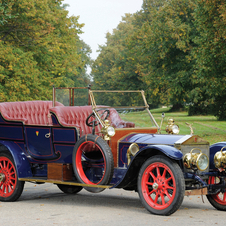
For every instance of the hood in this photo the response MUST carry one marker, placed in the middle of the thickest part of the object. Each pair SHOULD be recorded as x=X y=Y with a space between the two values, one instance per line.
x=145 y=138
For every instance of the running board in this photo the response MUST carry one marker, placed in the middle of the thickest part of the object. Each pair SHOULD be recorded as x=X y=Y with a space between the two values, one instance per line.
x=38 y=180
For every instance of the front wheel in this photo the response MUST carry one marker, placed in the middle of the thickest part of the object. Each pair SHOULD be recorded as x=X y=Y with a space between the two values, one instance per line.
x=10 y=187
x=161 y=185
x=219 y=199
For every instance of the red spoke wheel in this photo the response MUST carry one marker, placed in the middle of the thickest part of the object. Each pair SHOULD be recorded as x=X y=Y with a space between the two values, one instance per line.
x=10 y=187
x=161 y=185
x=217 y=200
x=93 y=162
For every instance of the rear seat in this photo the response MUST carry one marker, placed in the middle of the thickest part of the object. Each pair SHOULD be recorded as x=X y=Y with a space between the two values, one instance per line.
x=38 y=113
x=29 y=112
x=76 y=116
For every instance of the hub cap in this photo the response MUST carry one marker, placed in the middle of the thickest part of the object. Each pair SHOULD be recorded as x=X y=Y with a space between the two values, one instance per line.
x=155 y=186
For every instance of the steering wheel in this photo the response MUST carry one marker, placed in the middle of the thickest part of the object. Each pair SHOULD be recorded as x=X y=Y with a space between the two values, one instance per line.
x=95 y=122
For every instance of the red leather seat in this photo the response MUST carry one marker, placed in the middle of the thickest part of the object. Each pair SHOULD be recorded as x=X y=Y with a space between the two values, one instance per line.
x=76 y=116
x=29 y=112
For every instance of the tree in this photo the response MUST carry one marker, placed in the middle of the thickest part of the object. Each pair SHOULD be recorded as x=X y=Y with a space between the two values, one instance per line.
x=39 y=48
x=175 y=50
x=210 y=56
x=84 y=78
x=5 y=11
x=168 y=45
x=152 y=51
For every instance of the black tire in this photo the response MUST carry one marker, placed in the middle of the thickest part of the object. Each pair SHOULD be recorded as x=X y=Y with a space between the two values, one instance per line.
x=93 y=162
x=161 y=185
x=69 y=189
x=218 y=200
x=10 y=187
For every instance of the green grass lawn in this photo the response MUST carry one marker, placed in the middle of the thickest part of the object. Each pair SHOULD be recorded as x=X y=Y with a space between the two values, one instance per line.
x=206 y=127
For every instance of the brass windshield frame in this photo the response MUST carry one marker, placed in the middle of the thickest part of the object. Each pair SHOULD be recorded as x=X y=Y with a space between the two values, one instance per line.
x=146 y=106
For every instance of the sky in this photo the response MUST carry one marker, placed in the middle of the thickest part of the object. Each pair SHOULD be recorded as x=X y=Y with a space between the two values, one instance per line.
x=100 y=17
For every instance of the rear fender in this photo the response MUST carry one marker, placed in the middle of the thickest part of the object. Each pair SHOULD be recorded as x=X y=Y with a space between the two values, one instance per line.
x=20 y=159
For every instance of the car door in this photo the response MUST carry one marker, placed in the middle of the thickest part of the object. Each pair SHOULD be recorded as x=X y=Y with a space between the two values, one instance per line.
x=39 y=143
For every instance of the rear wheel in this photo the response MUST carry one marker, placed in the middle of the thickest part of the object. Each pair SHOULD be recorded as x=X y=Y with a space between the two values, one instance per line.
x=69 y=189
x=93 y=162
x=10 y=187
x=161 y=185
x=219 y=199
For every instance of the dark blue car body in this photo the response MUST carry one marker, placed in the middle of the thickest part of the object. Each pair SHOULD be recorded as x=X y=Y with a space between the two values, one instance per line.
x=73 y=159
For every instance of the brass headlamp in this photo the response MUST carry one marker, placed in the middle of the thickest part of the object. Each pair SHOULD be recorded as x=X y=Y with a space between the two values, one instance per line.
x=171 y=128
x=132 y=150
x=108 y=130
x=195 y=161
x=220 y=159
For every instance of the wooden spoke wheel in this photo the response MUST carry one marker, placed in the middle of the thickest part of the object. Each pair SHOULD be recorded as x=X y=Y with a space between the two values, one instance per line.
x=161 y=185
x=10 y=187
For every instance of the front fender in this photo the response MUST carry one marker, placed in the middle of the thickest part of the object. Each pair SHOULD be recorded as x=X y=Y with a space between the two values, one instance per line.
x=136 y=162
x=20 y=159
x=214 y=148
x=169 y=151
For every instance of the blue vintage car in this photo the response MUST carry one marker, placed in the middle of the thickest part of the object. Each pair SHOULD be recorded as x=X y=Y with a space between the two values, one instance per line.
x=91 y=147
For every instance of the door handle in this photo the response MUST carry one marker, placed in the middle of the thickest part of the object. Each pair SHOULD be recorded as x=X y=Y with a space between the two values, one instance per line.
x=47 y=135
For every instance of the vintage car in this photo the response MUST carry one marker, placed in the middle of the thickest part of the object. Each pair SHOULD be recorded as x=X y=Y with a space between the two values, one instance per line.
x=92 y=147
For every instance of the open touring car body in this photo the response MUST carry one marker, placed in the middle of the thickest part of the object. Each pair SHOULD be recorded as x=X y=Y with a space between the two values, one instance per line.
x=91 y=147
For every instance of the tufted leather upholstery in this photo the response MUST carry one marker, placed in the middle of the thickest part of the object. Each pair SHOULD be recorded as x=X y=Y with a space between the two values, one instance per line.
x=117 y=122
x=29 y=112
x=77 y=115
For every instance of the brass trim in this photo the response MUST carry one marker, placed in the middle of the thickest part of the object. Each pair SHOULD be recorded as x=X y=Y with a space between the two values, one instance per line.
x=146 y=106
x=191 y=159
x=220 y=158
x=137 y=128
x=29 y=179
x=130 y=153
x=70 y=87
x=117 y=91
x=190 y=126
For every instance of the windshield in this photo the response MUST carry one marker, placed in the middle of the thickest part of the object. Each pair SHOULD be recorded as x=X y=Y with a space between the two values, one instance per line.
x=127 y=103
x=71 y=96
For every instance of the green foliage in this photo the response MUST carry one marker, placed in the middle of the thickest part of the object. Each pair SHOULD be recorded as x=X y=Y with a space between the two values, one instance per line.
x=175 y=50
x=5 y=11
x=16 y=80
x=210 y=55
x=84 y=52
x=167 y=41
x=40 y=48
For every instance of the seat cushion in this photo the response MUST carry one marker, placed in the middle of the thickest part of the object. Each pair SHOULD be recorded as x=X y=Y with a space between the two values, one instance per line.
x=29 y=112
x=77 y=115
